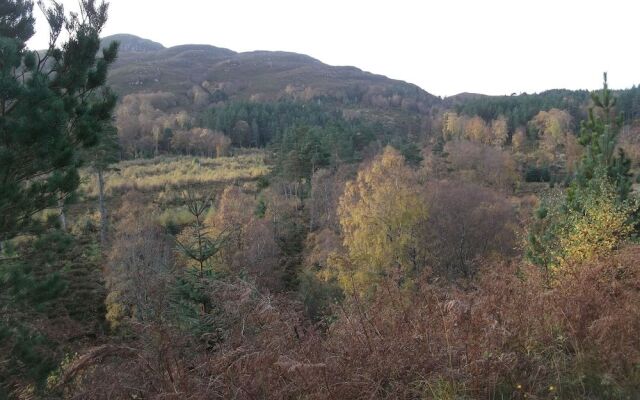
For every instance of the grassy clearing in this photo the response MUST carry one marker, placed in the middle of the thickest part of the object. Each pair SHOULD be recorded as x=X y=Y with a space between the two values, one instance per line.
x=173 y=173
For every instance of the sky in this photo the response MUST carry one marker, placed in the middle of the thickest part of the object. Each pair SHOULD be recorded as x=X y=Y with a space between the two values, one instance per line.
x=446 y=47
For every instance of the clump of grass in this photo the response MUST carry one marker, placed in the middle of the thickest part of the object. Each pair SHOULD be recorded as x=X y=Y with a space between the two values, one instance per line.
x=174 y=218
x=86 y=222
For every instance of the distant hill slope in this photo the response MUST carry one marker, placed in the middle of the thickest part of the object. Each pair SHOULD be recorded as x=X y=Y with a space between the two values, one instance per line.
x=211 y=74
x=132 y=43
x=462 y=98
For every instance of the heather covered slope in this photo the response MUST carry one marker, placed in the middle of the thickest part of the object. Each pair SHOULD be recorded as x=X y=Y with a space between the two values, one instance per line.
x=146 y=66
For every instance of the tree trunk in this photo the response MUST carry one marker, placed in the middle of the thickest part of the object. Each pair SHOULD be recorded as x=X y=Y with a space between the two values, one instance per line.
x=103 y=210
x=63 y=218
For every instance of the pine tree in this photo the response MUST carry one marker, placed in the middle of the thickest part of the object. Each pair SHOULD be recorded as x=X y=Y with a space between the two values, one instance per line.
x=52 y=104
x=18 y=22
x=598 y=134
x=597 y=213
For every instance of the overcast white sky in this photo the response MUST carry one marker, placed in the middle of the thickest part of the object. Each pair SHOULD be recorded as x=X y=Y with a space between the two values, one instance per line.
x=446 y=46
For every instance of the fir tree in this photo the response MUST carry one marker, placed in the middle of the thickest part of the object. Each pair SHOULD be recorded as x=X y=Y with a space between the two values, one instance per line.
x=199 y=245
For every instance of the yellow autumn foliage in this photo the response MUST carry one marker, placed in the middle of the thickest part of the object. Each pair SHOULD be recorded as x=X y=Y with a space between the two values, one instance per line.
x=380 y=213
x=452 y=125
x=598 y=229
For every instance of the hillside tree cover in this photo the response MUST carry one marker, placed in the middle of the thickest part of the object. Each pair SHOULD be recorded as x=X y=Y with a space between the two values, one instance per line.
x=521 y=108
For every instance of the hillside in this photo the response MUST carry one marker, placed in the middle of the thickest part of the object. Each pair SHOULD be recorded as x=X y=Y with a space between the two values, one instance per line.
x=220 y=74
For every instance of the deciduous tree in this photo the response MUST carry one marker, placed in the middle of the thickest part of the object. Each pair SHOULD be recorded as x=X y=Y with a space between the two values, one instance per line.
x=380 y=213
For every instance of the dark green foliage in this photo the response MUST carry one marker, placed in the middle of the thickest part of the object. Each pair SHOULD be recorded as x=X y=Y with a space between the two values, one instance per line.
x=438 y=146
x=29 y=285
x=520 y=109
x=410 y=151
x=197 y=244
x=105 y=152
x=200 y=246
x=54 y=105
x=303 y=149
x=628 y=103
x=537 y=174
x=291 y=235
x=188 y=296
x=261 y=208
x=307 y=136
x=598 y=167
x=318 y=296
x=19 y=22
x=262 y=182
x=598 y=135
x=55 y=285
x=251 y=124
x=543 y=247
x=51 y=106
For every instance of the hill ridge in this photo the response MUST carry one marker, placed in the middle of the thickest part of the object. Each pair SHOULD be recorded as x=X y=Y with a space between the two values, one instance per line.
x=260 y=75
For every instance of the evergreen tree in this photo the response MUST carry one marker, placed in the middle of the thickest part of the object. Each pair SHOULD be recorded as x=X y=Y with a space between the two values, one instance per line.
x=54 y=107
x=598 y=134
x=597 y=213
x=52 y=104
x=17 y=21
x=199 y=245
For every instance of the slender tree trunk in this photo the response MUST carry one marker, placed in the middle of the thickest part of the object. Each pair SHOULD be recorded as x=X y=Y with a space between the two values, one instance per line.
x=62 y=217
x=103 y=210
x=312 y=214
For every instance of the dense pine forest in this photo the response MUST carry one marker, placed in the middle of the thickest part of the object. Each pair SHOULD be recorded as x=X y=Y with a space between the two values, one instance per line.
x=276 y=228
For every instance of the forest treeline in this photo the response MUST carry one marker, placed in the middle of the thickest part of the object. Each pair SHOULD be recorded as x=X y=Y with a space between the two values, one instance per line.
x=540 y=125
x=519 y=109
x=486 y=248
